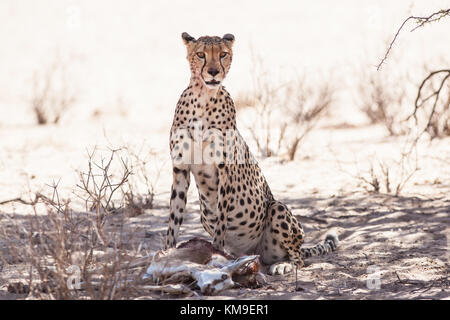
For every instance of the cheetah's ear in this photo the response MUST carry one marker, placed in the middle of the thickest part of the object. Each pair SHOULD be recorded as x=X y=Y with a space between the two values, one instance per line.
x=187 y=38
x=229 y=38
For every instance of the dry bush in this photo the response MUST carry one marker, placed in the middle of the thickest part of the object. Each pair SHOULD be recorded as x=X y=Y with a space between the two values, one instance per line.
x=382 y=97
x=264 y=99
x=284 y=113
x=304 y=106
x=109 y=186
x=100 y=183
x=72 y=254
x=52 y=93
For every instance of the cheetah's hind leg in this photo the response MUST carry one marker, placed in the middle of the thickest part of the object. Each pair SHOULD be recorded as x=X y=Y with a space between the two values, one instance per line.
x=283 y=237
x=296 y=259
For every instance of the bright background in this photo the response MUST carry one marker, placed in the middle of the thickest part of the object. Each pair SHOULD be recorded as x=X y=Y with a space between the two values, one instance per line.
x=131 y=51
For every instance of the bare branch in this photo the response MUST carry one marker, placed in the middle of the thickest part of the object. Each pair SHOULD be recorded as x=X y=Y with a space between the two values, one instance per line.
x=421 y=21
x=420 y=102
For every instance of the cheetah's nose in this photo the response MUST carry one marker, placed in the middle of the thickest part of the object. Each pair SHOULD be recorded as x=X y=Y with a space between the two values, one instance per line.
x=213 y=71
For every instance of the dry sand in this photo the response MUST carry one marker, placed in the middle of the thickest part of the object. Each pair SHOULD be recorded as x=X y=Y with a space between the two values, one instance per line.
x=402 y=240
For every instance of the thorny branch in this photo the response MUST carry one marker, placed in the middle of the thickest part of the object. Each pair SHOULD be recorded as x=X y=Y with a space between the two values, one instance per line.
x=419 y=102
x=421 y=21
x=31 y=202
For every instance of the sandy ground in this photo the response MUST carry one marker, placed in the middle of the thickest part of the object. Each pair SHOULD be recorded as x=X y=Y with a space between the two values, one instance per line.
x=392 y=247
x=398 y=242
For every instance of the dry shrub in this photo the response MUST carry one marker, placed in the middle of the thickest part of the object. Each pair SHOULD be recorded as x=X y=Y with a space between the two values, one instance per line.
x=285 y=113
x=265 y=99
x=382 y=97
x=125 y=185
x=304 y=106
x=100 y=182
x=72 y=254
x=52 y=93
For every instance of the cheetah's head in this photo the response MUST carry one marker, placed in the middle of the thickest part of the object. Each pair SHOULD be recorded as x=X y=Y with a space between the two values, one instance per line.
x=209 y=57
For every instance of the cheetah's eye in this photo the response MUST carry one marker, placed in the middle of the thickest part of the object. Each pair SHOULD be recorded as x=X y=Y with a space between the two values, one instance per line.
x=201 y=55
x=223 y=54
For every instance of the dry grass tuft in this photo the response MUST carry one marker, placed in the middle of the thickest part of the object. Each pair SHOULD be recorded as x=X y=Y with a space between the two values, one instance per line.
x=391 y=175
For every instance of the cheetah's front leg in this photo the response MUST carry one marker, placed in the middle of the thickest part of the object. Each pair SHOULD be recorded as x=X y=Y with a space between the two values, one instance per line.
x=178 y=198
x=223 y=206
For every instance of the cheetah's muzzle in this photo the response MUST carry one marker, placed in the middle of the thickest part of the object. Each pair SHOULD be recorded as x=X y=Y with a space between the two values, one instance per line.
x=212 y=83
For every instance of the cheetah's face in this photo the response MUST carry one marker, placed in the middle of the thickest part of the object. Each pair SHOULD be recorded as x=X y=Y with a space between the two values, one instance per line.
x=209 y=57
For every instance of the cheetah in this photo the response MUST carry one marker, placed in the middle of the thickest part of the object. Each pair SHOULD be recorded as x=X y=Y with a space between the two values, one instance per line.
x=237 y=206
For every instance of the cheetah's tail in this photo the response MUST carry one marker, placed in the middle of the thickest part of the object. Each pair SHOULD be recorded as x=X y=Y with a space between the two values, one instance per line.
x=330 y=244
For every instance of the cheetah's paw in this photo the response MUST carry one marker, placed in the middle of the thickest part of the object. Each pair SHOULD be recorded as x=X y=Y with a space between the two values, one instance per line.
x=281 y=268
